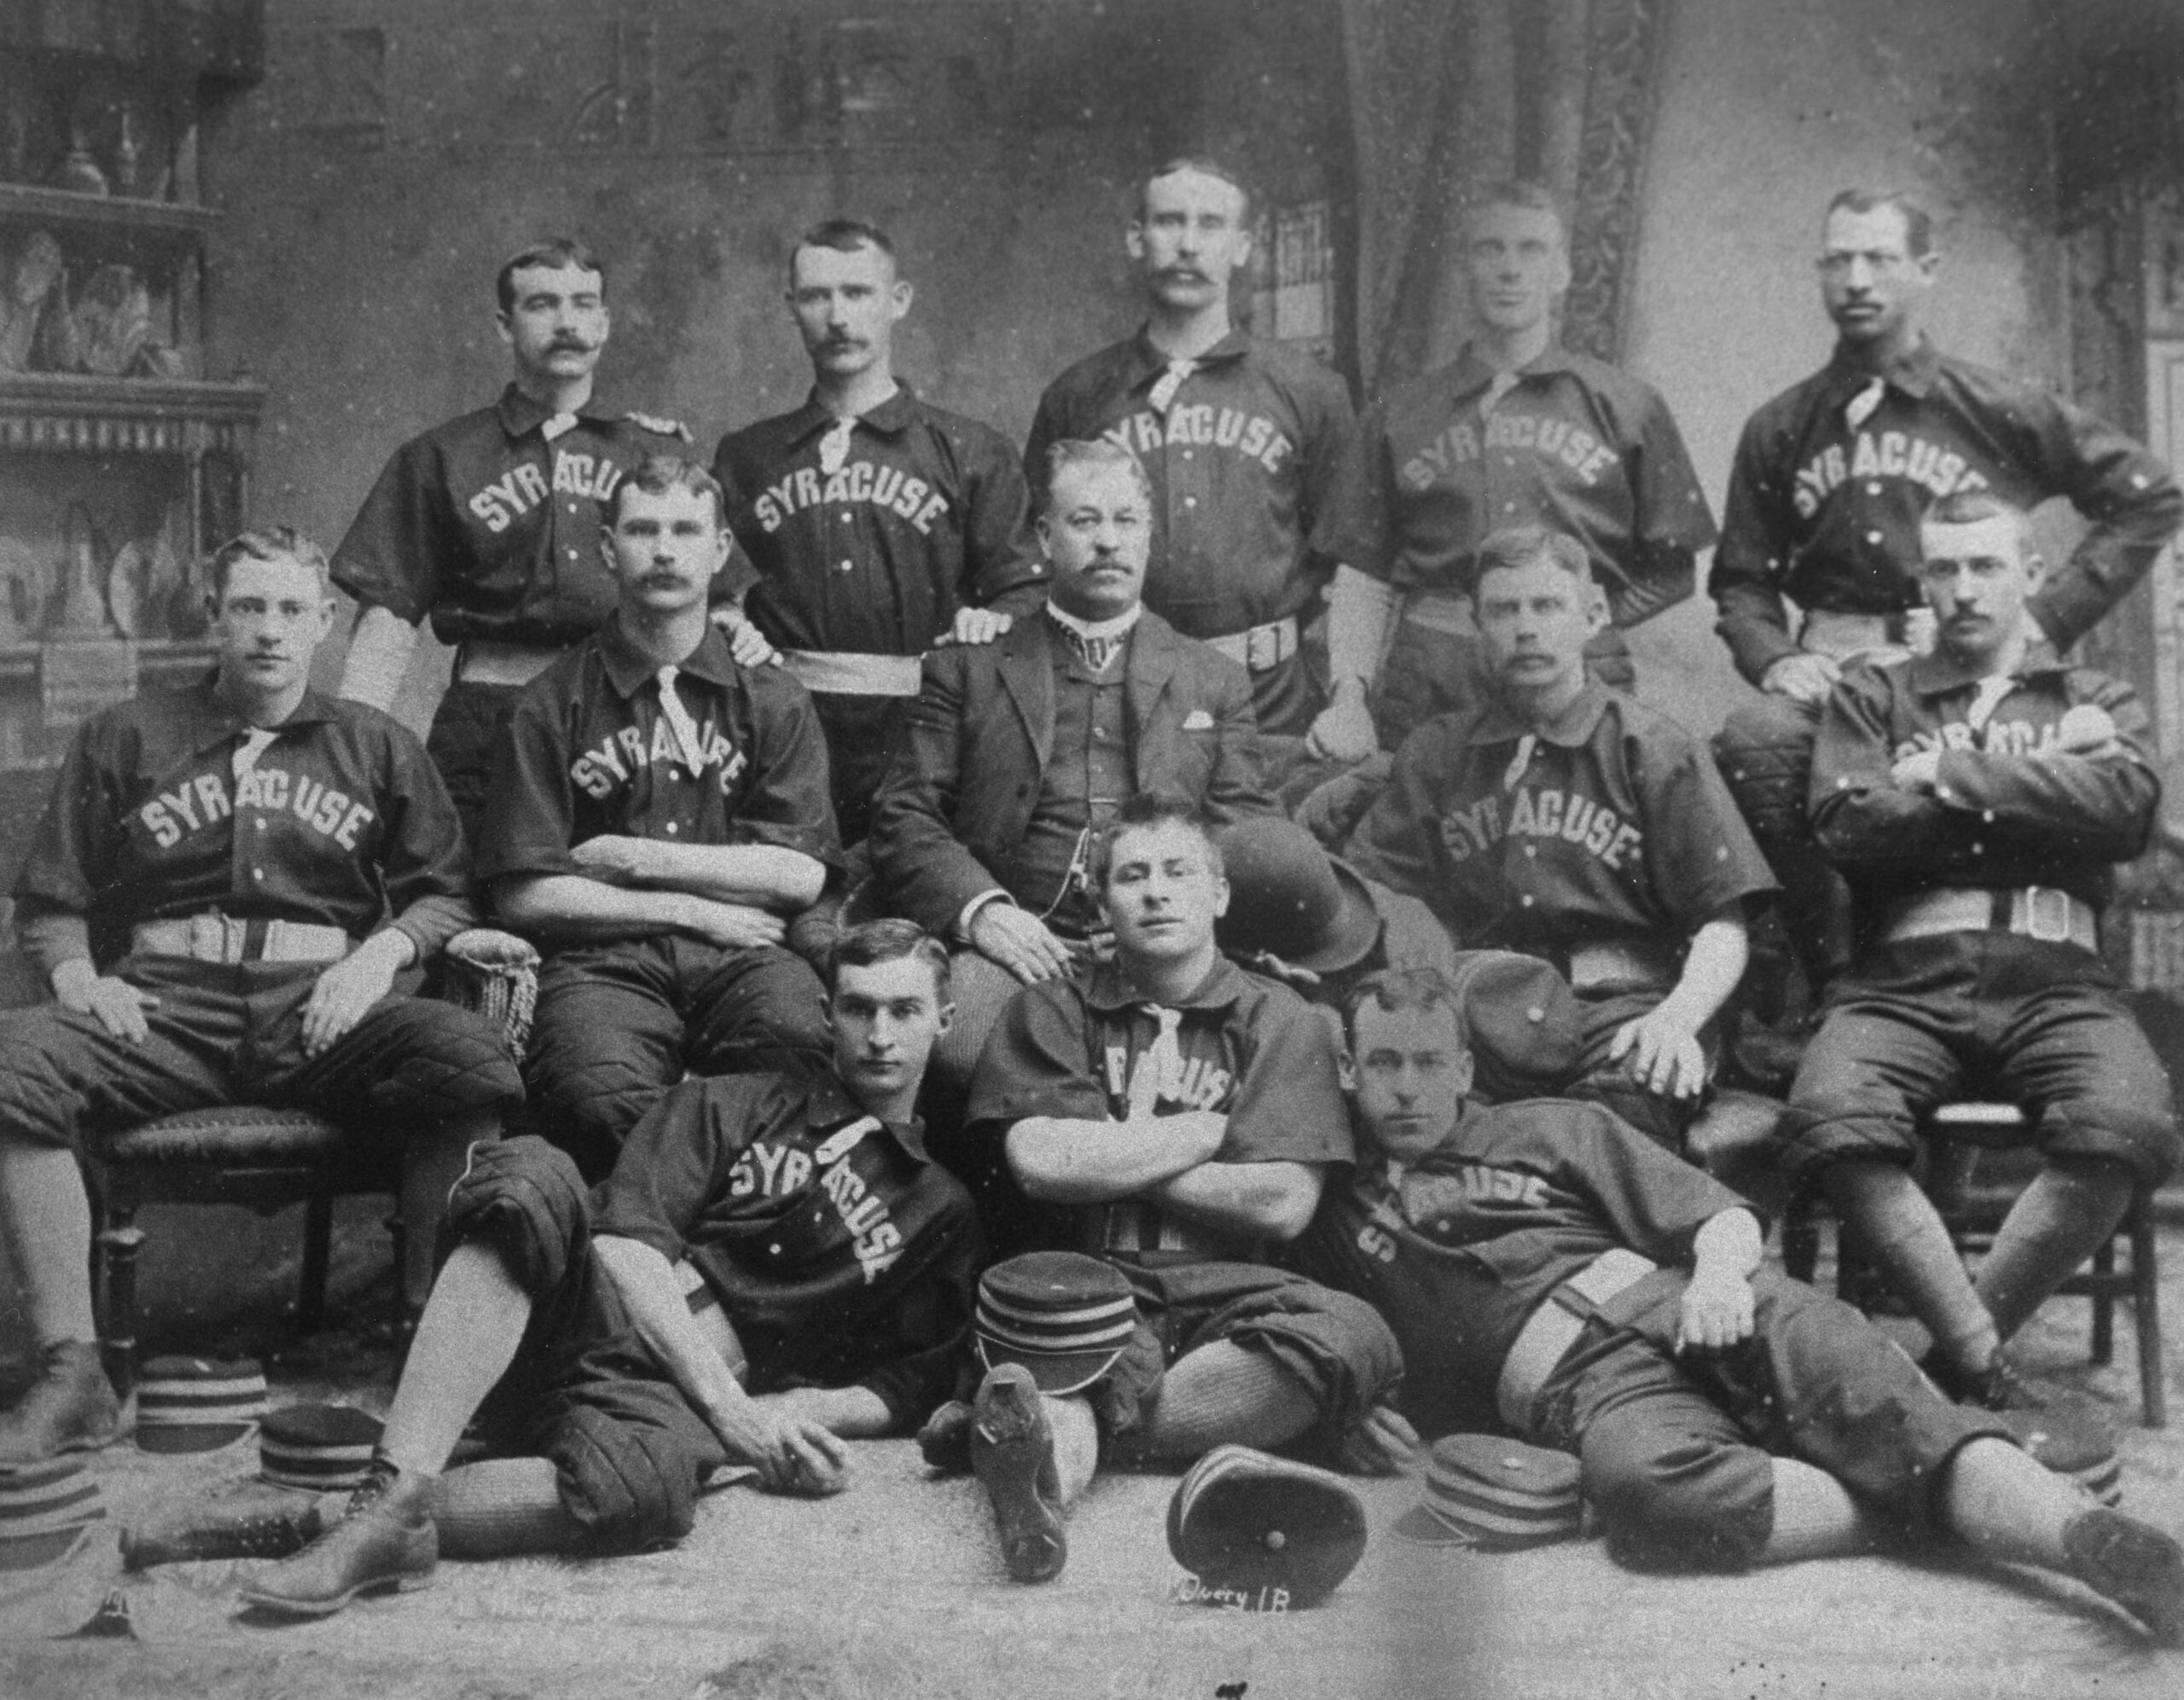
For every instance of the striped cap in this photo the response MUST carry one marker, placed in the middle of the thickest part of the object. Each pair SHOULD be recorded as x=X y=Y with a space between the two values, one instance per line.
x=319 y=1446
x=1499 y=1494
x=1259 y=1532
x=195 y=1404
x=45 y=1509
x=1064 y=1316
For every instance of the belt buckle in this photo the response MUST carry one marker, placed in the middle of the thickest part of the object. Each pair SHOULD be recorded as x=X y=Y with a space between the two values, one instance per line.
x=2048 y=914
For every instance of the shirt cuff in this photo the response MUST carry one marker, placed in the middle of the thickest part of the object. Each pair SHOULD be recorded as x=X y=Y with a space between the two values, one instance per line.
x=52 y=938
x=970 y=912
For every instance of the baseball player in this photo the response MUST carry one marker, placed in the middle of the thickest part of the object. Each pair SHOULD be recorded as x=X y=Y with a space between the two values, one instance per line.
x=1020 y=752
x=1561 y=818
x=1257 y=475
x=488 y=524
x=877 y=524
x=1978 y=798
x=775 y=1267
x=277 y=863
x=657 y=810
x=1553 y=1274
x=1517 y=430
x=1828 y=483
x=1185 y=1114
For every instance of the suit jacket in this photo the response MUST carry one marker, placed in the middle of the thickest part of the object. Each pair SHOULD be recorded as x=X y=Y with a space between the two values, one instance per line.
x=968 y=774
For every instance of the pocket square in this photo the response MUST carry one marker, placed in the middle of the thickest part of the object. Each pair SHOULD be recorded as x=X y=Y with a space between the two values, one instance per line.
x=1198 y=720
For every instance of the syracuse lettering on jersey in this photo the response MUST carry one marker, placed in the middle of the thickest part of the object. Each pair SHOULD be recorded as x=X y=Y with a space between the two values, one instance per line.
x=782 y=1171
x=1428 y=1201
x=521 y=488
x=1199 y=1084
x=1253 y=436
x=202 y=801
x=1999 y=738
x=887 y=487
x=1884 y=454
x=612 y=761
x=1546 y=813
x=1552 y=440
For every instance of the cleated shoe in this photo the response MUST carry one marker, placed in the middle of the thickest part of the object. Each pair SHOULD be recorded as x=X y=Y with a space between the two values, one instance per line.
x=272 y=1524
x=69 y=1408
x=945 y=1439
x=1012 y=1454
x=2132 y=1564
x=386 y=1539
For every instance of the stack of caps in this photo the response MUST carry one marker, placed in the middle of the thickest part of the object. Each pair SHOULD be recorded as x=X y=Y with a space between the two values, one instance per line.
x=1498 y=1494
x=196 y=1404
x=1064 y=1316
x=321 y=1447
x=1262 y=1532
x=45 y=1509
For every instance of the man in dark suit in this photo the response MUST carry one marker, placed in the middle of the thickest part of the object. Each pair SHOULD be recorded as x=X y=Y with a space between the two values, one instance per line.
x=1020 y=752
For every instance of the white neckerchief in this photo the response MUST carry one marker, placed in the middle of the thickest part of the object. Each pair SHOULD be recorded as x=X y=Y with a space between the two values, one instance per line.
x=834 y=446
x=1160 y=1070
x=1163 y=394
x=1859 y=408
x=679 y=721
x=255 y=741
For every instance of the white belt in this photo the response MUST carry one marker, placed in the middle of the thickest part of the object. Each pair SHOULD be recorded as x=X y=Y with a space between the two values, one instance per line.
x=1878 y=638
x=488 y=661
x=2046 y=913
x=213 y=938
x=1263 y=648
x=845 y=673
x=1594 y=966
x=1552 y=1329
x=1441 y=611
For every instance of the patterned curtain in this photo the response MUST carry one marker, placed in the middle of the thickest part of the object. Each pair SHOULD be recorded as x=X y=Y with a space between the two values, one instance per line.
x=1449 y=95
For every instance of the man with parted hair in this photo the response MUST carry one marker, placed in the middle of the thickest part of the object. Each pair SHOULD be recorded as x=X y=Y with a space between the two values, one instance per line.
x=774 y=1267
x=1978 y=799
x=658 y=812
x=488 y=525
x=262 y=870
x=1553 y=1276
x=1253 y=449
x=874 y=524
x=1559 y=818
x=1517 y=430
x=1826 y=493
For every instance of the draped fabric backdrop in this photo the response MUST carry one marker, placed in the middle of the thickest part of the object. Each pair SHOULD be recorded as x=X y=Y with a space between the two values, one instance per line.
x=1449 y=95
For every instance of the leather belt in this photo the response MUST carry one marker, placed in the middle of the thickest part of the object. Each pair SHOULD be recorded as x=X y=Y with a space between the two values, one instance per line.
x=2047 y=912
x=1263 y=648
x=1441 y=611
x=1594 y=966
x=489 y=661
x=845 y=673
x=1553 y=1328
x=215 y=937
x=1879 y=637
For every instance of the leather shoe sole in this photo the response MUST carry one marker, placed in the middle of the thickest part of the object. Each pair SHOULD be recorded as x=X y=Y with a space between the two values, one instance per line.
x=1012 y=1455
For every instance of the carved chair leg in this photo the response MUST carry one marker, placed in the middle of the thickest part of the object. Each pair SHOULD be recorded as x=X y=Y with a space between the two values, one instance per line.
x=310 y=1288
x=119 y=1240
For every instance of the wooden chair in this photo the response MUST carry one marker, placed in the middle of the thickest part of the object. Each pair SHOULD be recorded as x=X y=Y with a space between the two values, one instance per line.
x=1958 y=1135
x=268 y=1158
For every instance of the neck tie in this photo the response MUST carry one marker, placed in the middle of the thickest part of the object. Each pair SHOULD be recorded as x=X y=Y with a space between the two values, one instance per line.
x=1159 y=1072
x=1165 y=387
x=1095 y=652
x=1525 y=746
x=256 y=740
x=679 y=723
x=1859 y=408
x=1986 y=699
x=561 y=425
x=1497 y=386
x=834 y=446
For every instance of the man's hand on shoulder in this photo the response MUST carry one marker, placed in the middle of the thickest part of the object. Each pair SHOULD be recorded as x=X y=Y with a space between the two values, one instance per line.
x=975 y=626
x=746 y=644
x=1802 y=677
x=1019 y=940
x=119 y=1006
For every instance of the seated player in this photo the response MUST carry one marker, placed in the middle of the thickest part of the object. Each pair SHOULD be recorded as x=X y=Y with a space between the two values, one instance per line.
x=828 y=1268
x=1184 y=1113
x=275 y=860
x=1020 y=752
x=1551 y=1273
x=658 y=810
x=1559 y=819
x=1976 y=800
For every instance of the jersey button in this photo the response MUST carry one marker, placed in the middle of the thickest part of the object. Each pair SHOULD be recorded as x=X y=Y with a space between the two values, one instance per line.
x=1531 y=852
x=848 y=565
x=1873 y=537
x=672 y=828
x=1527 y=900
x=259 y=822
x=1872 y=489
x=257 y=874
x=1190 y=501
x=848 y=519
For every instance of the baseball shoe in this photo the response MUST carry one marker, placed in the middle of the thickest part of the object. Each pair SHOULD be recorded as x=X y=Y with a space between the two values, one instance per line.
x=385 y=1539
x=275 y=1524
x=2132 y=1564
x=1012 y=1454
x=945 y=1439
x=69 y=1408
